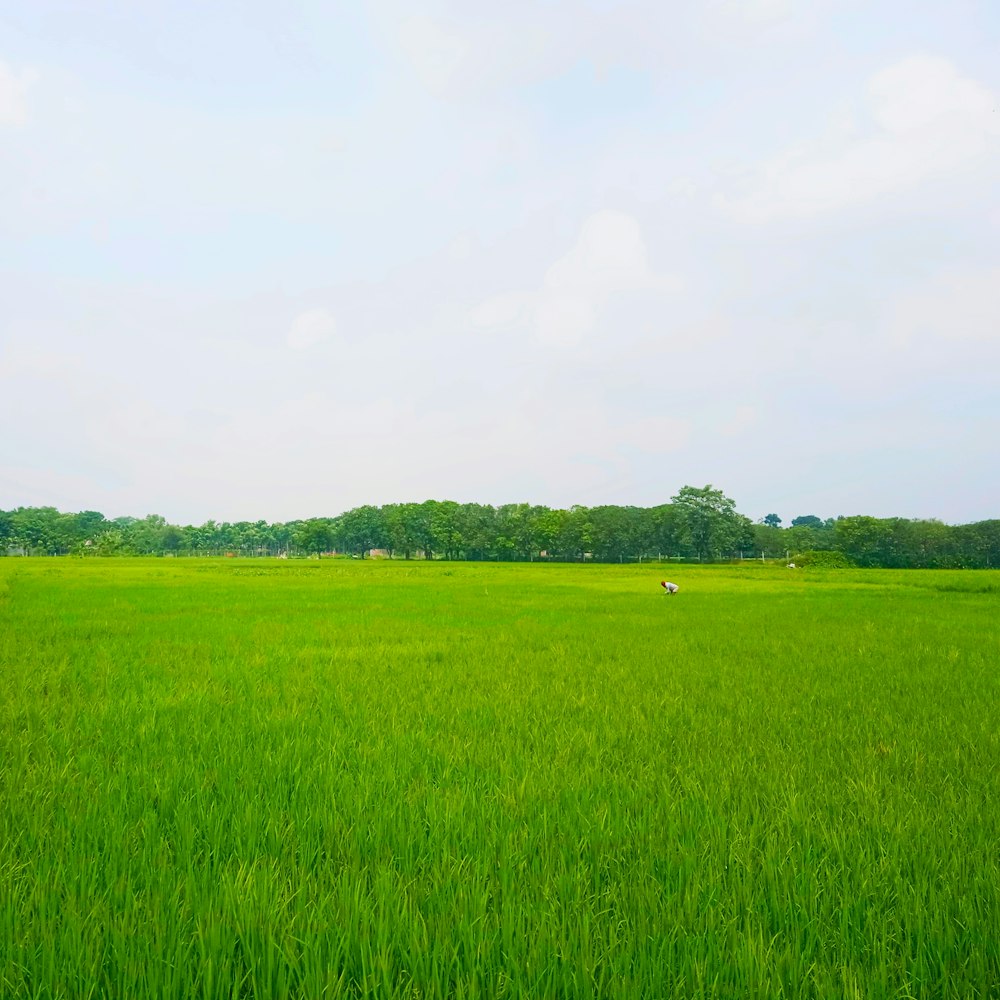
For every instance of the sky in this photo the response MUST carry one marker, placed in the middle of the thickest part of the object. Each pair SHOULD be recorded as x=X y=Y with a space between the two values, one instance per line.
x=275 y=261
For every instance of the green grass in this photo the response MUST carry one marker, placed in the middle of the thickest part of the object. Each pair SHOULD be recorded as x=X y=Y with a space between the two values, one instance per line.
x=275 y=780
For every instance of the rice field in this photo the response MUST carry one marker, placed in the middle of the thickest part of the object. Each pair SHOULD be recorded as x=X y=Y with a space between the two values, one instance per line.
x=267 y=779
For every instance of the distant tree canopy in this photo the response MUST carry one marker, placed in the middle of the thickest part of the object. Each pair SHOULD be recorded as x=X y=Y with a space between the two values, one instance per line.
x=699 y=523
x=805 y=521
x=711 y=527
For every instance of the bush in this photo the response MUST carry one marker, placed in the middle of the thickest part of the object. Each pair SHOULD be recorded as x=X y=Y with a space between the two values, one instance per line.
x=822 y=559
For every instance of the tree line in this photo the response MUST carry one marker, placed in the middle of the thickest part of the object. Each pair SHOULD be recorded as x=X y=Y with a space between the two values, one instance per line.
x=699 y=523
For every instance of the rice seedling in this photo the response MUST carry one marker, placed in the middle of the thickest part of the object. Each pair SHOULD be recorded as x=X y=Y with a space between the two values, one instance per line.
x=335 y=779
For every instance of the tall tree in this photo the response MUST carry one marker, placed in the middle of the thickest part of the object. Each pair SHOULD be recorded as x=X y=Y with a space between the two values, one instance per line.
x=807 y=521
x=478 y=529
x=446 y=528
x=362 y=529
x=314 y=536
x=711 y=525
x=576 y=535
x=667 y=530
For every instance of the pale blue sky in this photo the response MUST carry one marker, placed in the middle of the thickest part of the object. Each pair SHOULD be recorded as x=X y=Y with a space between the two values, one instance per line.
x=280 y=260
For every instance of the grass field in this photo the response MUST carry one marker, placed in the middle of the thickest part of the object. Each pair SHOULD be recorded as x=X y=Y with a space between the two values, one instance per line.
x=334 y=779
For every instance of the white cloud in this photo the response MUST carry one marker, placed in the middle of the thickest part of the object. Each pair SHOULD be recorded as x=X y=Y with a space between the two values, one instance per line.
x=608 y=257
x=925 y=91
x=13 y=93
x=437 y=54
x=502 y=310
x=461 y=247
x=462 y=51
x=927 y=121
x=759 y=11
x=955 y=305
x=564 y=320
x=740 y=421
x=459 y=53
x=658 y=435
x=310 y=328
x=460 y=143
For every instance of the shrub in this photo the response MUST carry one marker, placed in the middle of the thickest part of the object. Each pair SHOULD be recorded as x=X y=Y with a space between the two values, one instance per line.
x=822 y=559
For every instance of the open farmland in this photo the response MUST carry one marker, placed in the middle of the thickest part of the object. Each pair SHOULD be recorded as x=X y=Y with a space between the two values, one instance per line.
x=320 y=779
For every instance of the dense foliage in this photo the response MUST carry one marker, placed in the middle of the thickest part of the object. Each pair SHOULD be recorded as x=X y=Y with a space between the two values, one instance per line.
x=698 y=524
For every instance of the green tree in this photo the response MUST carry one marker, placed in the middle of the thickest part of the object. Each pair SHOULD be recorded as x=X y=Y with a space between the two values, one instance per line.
x=712 y=527
x=88 y=524
x=203 y=538
x=548 y=526
x=146 y=536
x=576 y=534
x=807 y=521
x=44 y=530
x=980 y=543
x=361 y=529
x=446 y=528
x=402 y=523
x=172 y=538
x=109 y=543
x=769 y=540
x=666 y=531
x=478 y=529
x=424 y=525
x=867 y=541
x=516 y=530
x=314 y=536
x=810 y=534
x=618 y=532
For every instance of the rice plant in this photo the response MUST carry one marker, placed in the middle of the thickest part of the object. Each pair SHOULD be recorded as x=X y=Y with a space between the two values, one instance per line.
x=267 y=779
